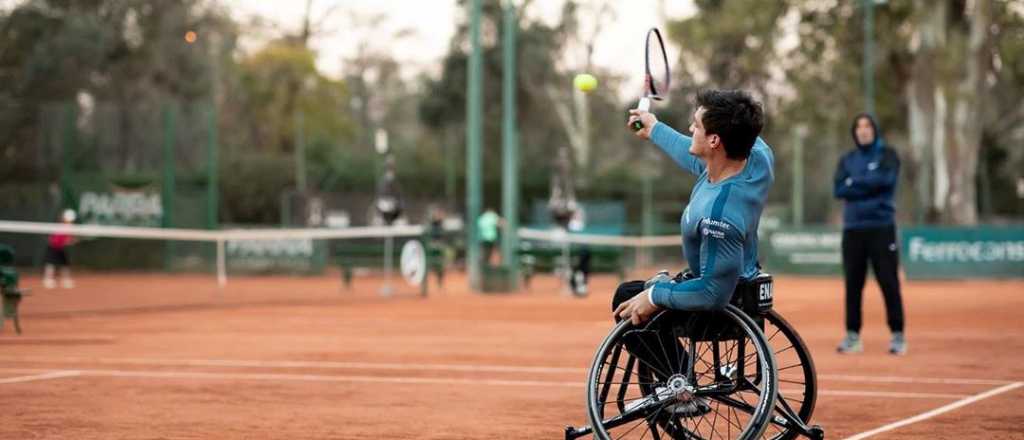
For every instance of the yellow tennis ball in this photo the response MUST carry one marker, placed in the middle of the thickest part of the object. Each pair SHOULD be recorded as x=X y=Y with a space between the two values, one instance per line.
x=585 y=82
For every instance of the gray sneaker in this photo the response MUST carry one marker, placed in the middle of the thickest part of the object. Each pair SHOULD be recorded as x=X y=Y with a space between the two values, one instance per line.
x=851 y=344
x=898 y=345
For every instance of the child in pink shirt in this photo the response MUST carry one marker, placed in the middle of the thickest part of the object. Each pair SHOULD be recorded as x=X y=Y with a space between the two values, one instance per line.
x=57 y=255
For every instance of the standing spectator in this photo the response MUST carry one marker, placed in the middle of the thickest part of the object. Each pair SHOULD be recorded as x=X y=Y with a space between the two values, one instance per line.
x=57 y=255
x=389 y=196
x=487 y=225
x=866 y=181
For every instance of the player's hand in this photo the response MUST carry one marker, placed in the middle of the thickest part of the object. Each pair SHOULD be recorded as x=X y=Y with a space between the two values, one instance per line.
x=647 y=118
x=637 y=309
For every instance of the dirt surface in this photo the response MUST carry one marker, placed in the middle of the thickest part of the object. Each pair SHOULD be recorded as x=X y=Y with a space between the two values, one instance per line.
x=131 y=356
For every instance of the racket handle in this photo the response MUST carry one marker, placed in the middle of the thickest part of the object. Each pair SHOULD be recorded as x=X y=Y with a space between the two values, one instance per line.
x=644 y=105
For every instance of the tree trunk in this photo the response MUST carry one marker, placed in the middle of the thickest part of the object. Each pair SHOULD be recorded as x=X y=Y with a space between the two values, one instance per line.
x=938 y=154
x=924 y=101
x=968 y=119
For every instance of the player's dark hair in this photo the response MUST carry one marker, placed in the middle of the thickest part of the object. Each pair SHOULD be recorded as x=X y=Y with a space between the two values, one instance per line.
x=735 y=117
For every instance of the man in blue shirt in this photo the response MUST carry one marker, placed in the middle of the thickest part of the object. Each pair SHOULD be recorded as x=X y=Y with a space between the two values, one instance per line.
x=865 y=180
x=719 y=225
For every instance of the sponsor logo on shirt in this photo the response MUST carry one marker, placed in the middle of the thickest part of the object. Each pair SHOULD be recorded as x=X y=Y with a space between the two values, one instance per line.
x=714 y=228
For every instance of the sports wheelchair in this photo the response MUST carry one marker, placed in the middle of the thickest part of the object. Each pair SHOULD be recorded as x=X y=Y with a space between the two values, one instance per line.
x=704 y=375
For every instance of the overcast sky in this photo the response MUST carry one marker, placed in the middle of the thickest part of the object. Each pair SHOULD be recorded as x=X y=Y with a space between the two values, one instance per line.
x=433 y=22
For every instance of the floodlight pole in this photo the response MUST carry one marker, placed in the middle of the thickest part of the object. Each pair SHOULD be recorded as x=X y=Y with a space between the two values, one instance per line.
x=510 y=148
x=799 y=133
x=474 y=108
x=212 y=170
x=300 y=153
x=167 y=186
x=869 y=49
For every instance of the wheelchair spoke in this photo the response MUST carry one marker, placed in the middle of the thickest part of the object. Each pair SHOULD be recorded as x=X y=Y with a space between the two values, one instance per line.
x=735 y=404
x=714 y=423
x=656 y=370
x=668 y=359
x=624 y=369
x=611 y=373
x=680 y=353
x=791 y=366
x=790 y=347
x=644 y=422
x=703 y=418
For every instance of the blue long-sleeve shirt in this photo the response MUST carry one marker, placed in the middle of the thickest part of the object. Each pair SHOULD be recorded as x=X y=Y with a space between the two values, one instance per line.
x=866 y=180
x=719 y=225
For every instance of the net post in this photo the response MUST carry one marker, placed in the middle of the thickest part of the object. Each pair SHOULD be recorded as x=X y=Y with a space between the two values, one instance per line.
x=386 y=289
x=567 y=264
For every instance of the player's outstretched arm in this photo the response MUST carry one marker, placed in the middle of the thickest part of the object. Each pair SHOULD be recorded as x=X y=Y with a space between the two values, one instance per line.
x=676 y=145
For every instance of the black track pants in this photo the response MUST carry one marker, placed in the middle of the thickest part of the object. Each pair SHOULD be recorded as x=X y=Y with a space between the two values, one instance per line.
x=879 y=247
x=654 y=348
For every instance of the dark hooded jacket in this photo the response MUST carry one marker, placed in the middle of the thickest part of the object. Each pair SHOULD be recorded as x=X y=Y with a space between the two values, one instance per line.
x=866 y=180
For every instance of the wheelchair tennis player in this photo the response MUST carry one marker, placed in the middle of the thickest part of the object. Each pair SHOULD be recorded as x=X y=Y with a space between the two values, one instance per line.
x=705 y=359
x=719 y=225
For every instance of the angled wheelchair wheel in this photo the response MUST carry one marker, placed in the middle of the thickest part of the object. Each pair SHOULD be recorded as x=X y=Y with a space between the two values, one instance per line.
x=798 y=381
x=683 y=375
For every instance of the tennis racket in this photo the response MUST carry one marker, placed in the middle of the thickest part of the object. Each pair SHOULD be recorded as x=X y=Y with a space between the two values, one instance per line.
x=656 y=73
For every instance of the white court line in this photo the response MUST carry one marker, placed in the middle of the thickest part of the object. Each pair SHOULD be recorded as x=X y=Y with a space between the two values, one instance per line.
x=285 y=377
x=241 y=363
x=889 y=394
x=415 y=366
x=325 y=378
x=899 y=379
x=937 y=411
x=35 y=377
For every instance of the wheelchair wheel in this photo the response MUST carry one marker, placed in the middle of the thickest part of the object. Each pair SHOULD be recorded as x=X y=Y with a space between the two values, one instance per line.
x=683 y=375
x=798 y=381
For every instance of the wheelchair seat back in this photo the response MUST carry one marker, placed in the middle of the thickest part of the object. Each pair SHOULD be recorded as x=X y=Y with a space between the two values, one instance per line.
x=754 y=296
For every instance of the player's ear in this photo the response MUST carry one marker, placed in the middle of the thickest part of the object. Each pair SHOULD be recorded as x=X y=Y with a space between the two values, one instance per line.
x=715 y=141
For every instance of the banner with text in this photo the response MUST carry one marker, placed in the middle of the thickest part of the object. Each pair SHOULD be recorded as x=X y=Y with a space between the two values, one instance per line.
x=964 y=252
x=925 y=252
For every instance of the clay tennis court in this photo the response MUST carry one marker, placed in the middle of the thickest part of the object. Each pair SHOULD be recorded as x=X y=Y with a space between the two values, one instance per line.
x=155 y=356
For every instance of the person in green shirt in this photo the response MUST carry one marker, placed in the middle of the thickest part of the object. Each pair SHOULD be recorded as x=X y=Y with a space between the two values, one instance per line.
x=487 y=225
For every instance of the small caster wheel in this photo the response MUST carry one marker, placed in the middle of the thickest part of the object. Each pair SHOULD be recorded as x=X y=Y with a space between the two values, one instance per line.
x=816 y=433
